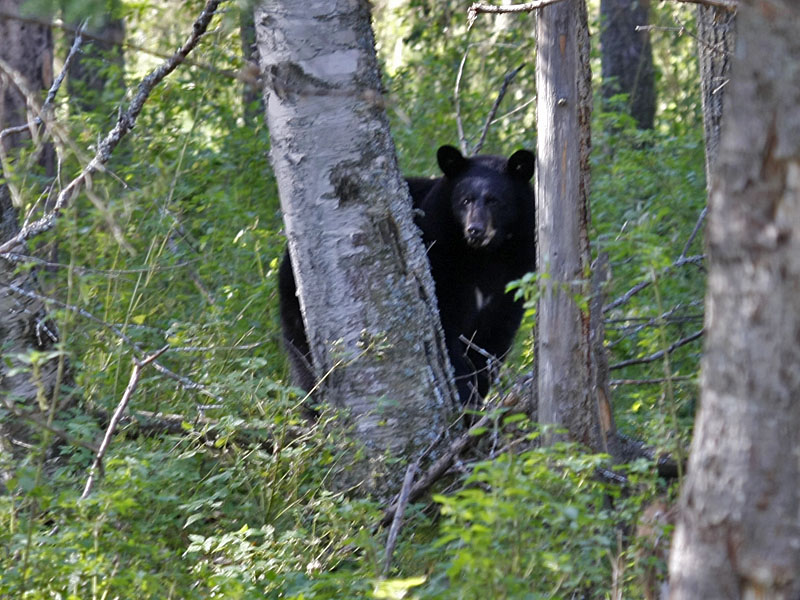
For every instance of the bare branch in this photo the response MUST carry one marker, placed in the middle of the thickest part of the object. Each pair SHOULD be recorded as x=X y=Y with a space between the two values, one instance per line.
x=490 y=118
x=480 y=8
x=658 y=355
x=97 y=466
x=397 y=521
x=462 y=139
x=125 y=123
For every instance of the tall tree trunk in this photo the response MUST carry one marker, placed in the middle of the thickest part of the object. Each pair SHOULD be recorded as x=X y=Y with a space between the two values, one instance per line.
x=738 y=533
x=362 y=276
x=26 y=51
x=627 y=57
x=716 y=37
x=563 y=83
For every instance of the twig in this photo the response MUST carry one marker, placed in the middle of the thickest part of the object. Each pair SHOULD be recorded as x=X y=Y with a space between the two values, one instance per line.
x=136 y=373
x=397 y=521
x=490 y=118
x=478 y=8
x=462 y=139
x=125 y=123
x=653 y=381
x=696 y=229
x=679 y=262
x=657 y=355
x=445 y=461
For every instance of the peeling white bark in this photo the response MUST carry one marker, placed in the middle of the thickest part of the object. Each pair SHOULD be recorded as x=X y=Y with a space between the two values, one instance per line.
x=361 y=272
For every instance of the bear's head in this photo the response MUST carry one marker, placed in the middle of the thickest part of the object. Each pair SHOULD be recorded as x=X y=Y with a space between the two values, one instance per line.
x=488 y=194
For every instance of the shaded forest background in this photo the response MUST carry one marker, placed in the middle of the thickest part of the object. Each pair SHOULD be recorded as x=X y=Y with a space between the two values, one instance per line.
x=215 y=484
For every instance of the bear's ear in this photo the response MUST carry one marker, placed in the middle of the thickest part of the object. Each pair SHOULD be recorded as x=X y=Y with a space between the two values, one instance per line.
x=521 y=164
x=451 y=162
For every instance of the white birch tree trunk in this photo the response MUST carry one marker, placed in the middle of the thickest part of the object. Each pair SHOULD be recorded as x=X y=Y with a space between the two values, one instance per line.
x=738 y=531
x=362 y=276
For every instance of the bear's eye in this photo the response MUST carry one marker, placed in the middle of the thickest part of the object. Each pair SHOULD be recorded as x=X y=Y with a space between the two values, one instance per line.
x=491 y=199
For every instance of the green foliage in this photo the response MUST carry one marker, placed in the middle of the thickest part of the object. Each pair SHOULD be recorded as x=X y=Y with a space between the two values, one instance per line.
x=179 y=242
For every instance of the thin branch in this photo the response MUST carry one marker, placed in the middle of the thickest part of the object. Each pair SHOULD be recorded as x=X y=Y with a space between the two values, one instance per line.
x=125 y=123
x=480 y=8
x=97 y=466
x=679 y=262
x=695 y=231
x=490 y=118
x=397 y=521
x=653 y=381
x=462 y=139
x=658 y=355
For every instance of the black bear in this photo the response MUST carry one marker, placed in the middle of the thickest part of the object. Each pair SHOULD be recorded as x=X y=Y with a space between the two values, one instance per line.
x=478 y=226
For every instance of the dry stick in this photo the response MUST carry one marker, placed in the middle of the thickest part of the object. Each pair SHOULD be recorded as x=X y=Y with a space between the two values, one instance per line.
x=695 y=231
x=441 y=465
x=657 y=355
x=478 y=8
x=125 y=123
x=500 y=95
x=397 y=521
x=97 y=466
x=462 y=139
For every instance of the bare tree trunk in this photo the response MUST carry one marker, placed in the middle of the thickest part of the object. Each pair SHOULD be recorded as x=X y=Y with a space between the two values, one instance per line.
x=564 y=140
x=27 y=52
x=627 y=57
x=362 y=276
x=716 y=36
x=738 y=532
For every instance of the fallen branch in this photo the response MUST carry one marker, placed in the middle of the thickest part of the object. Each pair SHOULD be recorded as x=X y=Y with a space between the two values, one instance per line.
x=397 y=520
x=97 y=466
x=125 y=123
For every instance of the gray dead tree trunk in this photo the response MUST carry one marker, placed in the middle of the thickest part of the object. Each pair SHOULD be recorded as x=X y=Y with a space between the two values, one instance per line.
x=716 y=31
x=362 y=276
x=567 y=396
x=26 y=53
x=738 y=531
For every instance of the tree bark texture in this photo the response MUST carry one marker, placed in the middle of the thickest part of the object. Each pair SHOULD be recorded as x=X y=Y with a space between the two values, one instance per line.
x=716 y=36
x=362 y=276
x=27 y=51
x=627 y=57
x=738 y=532
x=563 y=115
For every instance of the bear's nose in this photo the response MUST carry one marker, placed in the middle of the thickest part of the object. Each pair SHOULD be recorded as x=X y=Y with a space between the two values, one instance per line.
x=474 y=230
